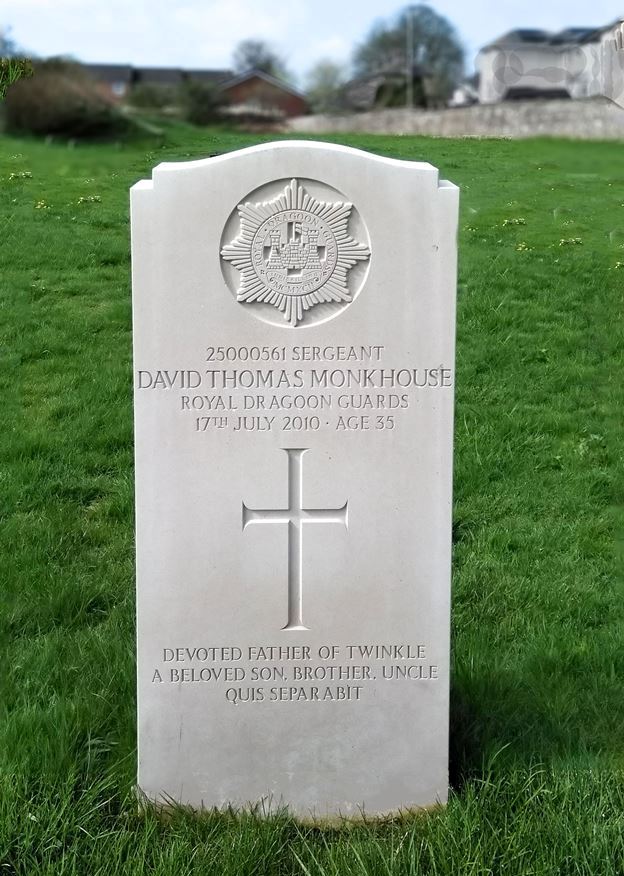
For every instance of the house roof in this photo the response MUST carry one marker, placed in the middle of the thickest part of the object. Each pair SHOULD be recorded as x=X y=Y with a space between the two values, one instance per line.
x=259 y=74
x=158 y=75
x=361 y=92
x=110 y=72
x=598 y=32
x=154 y=75
x=218 y=77
x=523 y=37
x=573 y=35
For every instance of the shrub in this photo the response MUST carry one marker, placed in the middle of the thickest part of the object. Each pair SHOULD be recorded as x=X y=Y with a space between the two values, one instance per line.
x=202 y=102
x=147 y=96
x=61 y=99
x=12 y=69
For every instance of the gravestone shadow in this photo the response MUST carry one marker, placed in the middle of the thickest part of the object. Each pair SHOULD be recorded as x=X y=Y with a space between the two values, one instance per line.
x=501 y=717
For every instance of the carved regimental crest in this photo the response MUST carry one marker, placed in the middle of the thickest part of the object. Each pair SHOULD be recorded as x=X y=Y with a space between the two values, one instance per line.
x=294 y=252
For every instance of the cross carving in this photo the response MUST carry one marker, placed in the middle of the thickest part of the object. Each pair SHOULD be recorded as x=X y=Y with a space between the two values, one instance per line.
x=296 y=516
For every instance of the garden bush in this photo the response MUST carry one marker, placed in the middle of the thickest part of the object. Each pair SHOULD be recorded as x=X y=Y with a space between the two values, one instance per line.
x=148 y=96
x=61 y=99
x=12 y=69
x=202 y=102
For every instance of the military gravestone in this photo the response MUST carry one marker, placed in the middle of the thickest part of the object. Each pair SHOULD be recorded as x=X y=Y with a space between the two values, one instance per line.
x=294 y=349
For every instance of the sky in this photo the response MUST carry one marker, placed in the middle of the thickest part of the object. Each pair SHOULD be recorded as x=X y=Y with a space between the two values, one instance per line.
x=203 y=33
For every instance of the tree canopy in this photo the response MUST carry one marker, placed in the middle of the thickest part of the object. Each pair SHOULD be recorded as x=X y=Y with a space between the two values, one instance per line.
x=436 y=48
x=12 y=67
x=258 y=55
x=8 y=47
x=324 y=86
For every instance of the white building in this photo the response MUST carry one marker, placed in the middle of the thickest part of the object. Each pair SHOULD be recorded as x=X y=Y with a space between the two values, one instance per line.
x=535 y=63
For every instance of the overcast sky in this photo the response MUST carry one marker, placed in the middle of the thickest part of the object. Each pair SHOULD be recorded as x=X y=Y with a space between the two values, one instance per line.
x=202 y=33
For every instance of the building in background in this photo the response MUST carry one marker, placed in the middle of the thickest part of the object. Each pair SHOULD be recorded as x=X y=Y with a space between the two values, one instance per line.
x=529 y=63
x=387 y=88
x=256 y=94
x=251 y=94
x=114 y=80
x=466 y=93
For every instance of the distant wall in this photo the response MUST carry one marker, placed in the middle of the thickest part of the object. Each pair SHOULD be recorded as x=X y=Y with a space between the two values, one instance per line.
x=596 y=119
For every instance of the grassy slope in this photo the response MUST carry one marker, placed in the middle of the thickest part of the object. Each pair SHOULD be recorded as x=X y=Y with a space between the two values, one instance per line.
x=538 y=697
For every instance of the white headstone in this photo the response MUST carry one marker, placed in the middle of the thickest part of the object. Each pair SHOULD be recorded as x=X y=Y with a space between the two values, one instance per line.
x=294 y=347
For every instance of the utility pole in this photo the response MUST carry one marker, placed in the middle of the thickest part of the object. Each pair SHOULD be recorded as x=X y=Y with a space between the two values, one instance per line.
x=409 y=59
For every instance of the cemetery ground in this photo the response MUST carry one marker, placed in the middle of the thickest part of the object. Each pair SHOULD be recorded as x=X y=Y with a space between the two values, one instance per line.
x=537 y=705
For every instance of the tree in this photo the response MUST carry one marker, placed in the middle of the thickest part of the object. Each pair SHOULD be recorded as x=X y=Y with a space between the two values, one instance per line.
x=12 y=67
x=8 y=48
x=258 y=55
x=202 y=102
x=436 y=48
x=324 y=86
x=61 y=99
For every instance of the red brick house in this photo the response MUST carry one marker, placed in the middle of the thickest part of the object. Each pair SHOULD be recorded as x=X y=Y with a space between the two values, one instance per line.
x=257 y=91
x=251 y=93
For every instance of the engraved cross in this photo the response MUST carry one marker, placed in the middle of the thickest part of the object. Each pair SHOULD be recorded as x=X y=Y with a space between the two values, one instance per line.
x=295 y=516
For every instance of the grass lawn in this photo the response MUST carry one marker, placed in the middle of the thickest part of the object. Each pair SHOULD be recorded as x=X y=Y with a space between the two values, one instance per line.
x=537 y=718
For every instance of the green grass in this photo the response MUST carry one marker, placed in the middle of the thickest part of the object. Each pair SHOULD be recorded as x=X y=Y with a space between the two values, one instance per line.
x=538 y=635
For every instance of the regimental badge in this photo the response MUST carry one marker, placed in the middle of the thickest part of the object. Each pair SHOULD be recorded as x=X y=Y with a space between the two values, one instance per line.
x=294 y=252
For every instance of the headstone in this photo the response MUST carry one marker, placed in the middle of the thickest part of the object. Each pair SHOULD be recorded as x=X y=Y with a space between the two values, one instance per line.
x=294 y=352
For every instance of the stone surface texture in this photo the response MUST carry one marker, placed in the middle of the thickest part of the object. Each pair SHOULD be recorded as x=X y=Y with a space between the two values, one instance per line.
x=593 y=119
x=293 y=479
